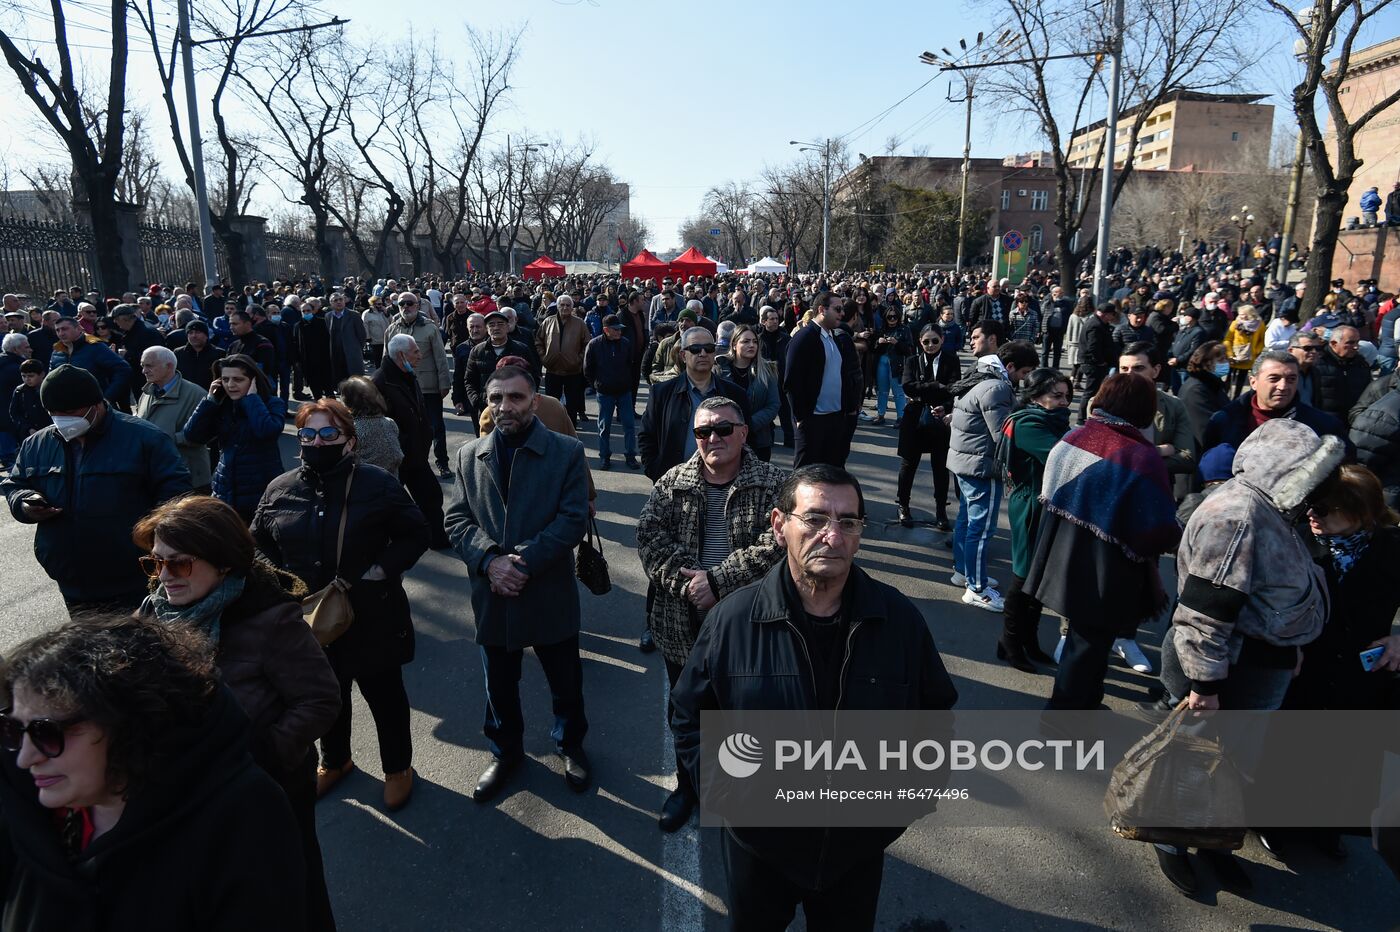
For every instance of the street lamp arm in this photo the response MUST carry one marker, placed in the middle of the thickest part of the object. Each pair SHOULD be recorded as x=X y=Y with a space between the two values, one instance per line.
x=337 y=21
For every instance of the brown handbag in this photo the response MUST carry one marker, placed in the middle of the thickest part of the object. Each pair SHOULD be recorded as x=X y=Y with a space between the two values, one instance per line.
x=1170 y=781
x=328 y=611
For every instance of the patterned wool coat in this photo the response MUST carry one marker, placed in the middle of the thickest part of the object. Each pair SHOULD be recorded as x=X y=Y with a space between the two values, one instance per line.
x=669 y=539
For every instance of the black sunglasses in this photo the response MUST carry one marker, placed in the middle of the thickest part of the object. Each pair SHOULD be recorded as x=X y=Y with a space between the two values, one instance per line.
x=309 y=434
x=47 y=734
x=701 y=349
x=722 y=429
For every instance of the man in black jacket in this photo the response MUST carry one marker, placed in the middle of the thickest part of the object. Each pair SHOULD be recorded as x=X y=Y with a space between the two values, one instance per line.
x=824 y=386
x=399 y=386
x=1340 y=373
x=994 y=305
x=1097 y=352
x=666 y=438
x=476 y=363
x=773 y=343
x=195 y=360
x=137 y=337
x=788 y=642
x=607 y=367
x=249 y=342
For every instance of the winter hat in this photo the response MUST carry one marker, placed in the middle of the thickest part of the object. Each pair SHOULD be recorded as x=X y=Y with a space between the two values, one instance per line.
x=69 y=388
x=1217 y=464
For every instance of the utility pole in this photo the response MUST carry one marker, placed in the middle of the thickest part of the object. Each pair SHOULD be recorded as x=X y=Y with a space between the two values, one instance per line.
x=1111 y=148
x=825 y=149
x=968 y=81
x=201 y=193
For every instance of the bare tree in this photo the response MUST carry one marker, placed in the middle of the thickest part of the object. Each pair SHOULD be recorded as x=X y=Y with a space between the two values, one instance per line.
x=54 y=192
x=235 y=23
x=731 y=205
x=1168 y=46
x=1332 y=159
x=90 y=123
x=304 y=95
x=140 y=171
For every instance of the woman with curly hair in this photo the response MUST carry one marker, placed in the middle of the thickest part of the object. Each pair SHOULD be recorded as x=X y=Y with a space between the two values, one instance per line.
x=130 y=798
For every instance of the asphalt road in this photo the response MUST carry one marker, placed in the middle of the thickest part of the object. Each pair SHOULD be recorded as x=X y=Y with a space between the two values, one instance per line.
x=543 y=858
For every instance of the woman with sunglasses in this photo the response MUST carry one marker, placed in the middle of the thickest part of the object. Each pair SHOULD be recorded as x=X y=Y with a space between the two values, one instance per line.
x=922 y=428
x=130 y=798
x=890 y=349
x=245 y=415
x=203 y=576
x=297 y=527
x=743 y=366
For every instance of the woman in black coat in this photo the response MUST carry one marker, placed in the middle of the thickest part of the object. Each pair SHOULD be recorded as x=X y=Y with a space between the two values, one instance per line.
x=1357 y=544
x=922 y=430
x=130 y=799
x=297 y=527
x=1203 y=392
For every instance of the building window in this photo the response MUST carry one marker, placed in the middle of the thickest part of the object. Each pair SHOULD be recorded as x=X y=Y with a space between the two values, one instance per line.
x=1234 y=137
x=1006 y=199
x=1040 y=200
x=1037 y=236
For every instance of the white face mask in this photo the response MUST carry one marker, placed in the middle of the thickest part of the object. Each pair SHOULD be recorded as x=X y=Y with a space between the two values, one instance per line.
x=70 y=428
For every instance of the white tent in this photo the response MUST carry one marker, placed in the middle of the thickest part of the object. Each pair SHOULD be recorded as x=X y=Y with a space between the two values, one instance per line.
x=767 y=265
x=720 y=267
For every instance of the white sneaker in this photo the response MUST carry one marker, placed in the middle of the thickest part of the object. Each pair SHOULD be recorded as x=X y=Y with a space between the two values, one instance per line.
x=1059 y=648
x=961 y=581
x=988 y=599
x=1132 y=655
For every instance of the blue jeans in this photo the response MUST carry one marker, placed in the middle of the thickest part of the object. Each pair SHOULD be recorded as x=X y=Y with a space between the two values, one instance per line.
x=883 y=383
x=9 y=446
x=623 y=406
x=979 y=502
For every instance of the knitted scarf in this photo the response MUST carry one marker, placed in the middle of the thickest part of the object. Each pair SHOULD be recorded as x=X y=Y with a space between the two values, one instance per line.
x=1345 y=550
x=1105 y=477
x=203 y=615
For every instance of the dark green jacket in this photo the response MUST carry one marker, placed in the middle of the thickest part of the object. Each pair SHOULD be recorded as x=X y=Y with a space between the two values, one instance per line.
x=1029 y=434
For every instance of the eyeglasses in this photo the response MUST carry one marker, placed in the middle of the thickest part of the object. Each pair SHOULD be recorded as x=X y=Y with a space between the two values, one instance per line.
x=408 y=304
x=722 y=429
x=47 y=734
x=308 y=435
x=153 y=566
x=820 y=523
x=701 y=349
x=1309 y=348
x=1318 y=509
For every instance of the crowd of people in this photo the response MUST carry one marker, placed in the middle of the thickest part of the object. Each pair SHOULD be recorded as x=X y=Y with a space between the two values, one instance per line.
x=1250 y=434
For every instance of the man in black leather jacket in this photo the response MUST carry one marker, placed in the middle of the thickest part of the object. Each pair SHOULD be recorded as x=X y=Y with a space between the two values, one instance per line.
x=816 y=632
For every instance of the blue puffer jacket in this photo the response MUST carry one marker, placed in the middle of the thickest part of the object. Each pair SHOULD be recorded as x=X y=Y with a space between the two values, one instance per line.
x=128 y=467
x=110 y=370
x=247 y=431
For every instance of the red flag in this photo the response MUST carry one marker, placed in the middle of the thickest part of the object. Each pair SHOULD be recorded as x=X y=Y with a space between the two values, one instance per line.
x=621 y=248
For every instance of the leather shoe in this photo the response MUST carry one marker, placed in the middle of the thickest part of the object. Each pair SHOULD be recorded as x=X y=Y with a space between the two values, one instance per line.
x=905 y=518
x=575 y=765
x=676 y=811
x=327 y=779
x=1177 y=868
x=645 y=644
x=632 y=463
x=941 y=523
x=494 y=778
x=1329 y=843
x=1272 y=843
x=1227 y=870
x=605 y=465
x=398 y=787
x=1014 y=655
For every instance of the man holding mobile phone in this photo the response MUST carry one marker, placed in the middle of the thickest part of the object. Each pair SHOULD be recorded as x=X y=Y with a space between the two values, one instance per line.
x=85 y=481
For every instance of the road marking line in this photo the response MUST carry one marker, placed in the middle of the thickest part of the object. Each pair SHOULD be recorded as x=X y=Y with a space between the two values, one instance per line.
x=682 y=896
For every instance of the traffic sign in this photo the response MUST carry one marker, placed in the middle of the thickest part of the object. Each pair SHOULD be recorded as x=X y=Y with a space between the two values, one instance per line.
x=715 y=231
x=1011 y=240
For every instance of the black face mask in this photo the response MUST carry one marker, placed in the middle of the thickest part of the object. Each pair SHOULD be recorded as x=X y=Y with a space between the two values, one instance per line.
x=323 y=458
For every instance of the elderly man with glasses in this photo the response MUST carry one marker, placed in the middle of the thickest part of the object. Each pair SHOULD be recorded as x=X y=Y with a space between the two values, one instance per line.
x=665 y=437
x=705 y=532
x=815 y=633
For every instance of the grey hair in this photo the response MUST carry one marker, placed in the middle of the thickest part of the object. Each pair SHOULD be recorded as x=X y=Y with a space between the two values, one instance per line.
x=689 y=330
x=693 y=305
x=12 y=342
x=719 y=403
x=160 y=353
x=563 y=300
x=1298 y=338
x=1286 y=358
x=480 y=318
x=399 y=344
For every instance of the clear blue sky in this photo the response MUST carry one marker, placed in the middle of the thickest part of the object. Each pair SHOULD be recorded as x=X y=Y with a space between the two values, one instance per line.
x=682 y=96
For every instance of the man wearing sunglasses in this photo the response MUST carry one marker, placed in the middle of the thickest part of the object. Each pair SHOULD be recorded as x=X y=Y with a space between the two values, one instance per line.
x=666 y=437
x=824 y=386
x=790 y=642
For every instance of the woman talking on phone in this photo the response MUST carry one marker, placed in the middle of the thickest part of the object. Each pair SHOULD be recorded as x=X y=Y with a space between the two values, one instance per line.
x=245 y=415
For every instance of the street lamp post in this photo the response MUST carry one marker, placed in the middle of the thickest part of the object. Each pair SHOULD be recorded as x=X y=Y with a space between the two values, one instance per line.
x=825 y=149
x=510 y=173
x=969 y=84
x=1242 y=220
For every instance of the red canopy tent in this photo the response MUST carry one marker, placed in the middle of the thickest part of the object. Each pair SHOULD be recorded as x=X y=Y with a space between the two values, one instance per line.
x=541 y=268
x=693 y=262
x=646 y=266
